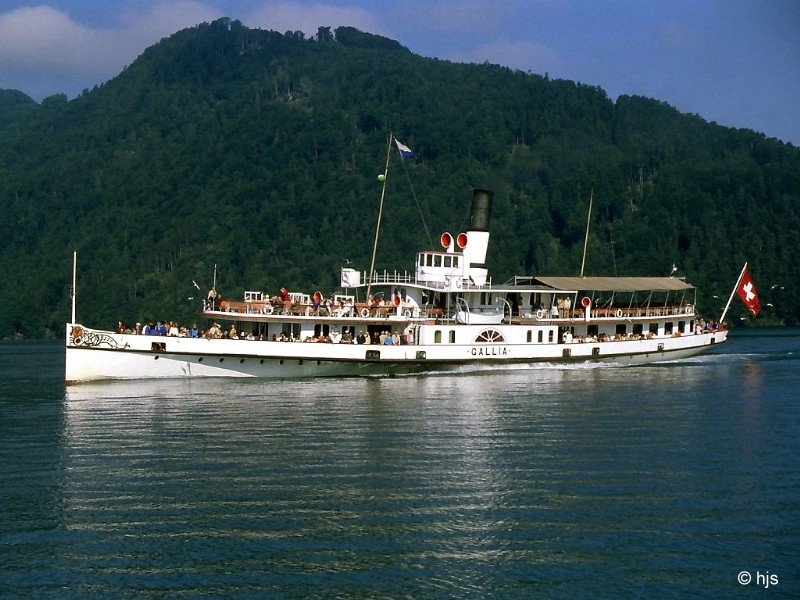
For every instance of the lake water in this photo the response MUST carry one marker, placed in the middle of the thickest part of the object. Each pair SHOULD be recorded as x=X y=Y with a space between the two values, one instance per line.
x=678 y=479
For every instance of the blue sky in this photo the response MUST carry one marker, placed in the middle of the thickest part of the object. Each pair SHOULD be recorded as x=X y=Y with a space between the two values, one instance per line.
x=735 y=62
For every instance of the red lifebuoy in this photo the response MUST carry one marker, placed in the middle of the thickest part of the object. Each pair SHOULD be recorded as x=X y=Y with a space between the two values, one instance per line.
x=585 y=302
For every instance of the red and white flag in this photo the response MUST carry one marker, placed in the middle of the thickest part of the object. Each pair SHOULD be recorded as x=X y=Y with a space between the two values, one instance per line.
x=747 y=292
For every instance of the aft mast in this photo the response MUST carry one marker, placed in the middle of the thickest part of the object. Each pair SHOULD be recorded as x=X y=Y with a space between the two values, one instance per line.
x=588 y=222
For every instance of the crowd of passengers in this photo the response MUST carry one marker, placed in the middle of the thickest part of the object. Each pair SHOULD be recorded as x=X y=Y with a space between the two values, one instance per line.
x=702 y=326
x=215 y=331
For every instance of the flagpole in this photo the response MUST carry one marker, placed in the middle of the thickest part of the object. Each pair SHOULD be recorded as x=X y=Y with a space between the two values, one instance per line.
x=74 y=283
x=735 y=287
x=380 y=212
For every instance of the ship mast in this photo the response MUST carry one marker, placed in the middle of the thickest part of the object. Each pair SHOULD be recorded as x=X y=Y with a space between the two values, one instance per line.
x=588 y=220
x=380 y=212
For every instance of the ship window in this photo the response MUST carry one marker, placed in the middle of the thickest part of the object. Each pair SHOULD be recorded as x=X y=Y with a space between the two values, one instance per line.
x=592 y=330
x=622 y=329
x=653 y=328
x=437 y=336
x=291 y=330
x=429 y=260
x=550 y=336
x=452 y=336
x=437 y=260
x=637 y=329
x=691 y=326
x=421 y=260
x=448 y=261
x=540 y=337
x=668 y=328
x=530 y=336
x=682 y=326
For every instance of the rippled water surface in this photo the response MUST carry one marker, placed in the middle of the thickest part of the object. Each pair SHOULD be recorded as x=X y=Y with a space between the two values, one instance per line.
x=547 y=482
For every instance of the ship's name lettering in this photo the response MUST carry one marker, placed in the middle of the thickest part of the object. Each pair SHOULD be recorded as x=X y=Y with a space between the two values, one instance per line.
x=489 y=351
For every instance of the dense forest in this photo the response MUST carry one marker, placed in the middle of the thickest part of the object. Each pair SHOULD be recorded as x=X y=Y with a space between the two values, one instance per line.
x=258 y=152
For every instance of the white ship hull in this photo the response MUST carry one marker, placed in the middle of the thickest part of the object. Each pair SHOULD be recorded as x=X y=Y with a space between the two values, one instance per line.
x=105 y=355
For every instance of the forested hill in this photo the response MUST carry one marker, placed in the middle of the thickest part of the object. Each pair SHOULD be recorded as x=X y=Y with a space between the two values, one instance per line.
x=258 y=152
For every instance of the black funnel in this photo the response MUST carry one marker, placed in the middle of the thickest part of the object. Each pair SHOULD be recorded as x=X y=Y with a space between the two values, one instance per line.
x=481 y=210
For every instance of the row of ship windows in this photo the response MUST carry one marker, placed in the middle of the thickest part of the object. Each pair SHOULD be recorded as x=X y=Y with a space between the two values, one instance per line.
x=592 y=330
x=492 y=335
x=438 y=260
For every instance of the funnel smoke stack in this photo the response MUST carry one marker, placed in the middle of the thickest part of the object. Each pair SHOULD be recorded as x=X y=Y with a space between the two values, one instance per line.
x=481 y=210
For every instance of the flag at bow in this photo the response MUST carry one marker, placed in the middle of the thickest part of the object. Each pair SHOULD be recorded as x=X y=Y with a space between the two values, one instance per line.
x=747 y=292
x=405 y=151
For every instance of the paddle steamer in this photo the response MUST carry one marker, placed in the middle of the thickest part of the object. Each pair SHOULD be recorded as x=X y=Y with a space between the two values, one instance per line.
x=445 y=314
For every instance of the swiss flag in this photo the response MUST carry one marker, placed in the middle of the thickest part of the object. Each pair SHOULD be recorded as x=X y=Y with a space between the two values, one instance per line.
x=747 y=292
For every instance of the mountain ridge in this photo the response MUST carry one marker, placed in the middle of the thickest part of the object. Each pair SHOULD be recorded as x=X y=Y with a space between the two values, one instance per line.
x=258 y=151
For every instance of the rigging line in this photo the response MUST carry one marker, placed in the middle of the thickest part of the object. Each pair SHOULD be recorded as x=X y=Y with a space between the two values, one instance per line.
x=589 y=215
x=413 y=193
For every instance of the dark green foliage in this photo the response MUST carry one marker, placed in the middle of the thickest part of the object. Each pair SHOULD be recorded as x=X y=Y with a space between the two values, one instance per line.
x=258 y=152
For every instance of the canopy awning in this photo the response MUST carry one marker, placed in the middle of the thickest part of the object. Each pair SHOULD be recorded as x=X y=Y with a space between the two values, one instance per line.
x=616 y=284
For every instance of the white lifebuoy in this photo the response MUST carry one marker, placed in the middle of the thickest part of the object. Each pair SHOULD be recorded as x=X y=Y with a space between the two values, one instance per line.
x=540 y=314
x=458 y=283
x=268 y=309
x=619 y=313
x=365 y=312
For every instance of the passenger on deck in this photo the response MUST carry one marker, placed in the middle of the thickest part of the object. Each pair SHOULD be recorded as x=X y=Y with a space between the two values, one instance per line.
x=193 y=332
x=387 y=339
x=172 y=331
x=212 y=297
x=360 y=338
x=554 y=311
